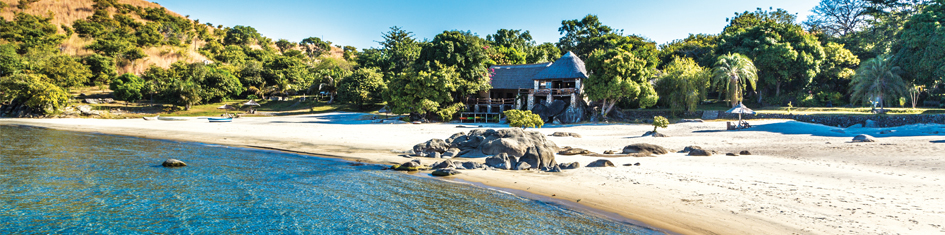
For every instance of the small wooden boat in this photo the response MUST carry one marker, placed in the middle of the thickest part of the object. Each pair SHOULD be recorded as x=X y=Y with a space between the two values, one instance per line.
x=220 y=119
x=151 y=118
x=172 y=119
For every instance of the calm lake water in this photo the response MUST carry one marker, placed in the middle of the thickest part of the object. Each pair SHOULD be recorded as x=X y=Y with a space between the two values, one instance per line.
x=67 y=182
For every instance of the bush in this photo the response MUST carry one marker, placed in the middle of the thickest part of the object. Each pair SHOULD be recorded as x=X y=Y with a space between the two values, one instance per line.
x=446 y=114
x=659 y=121
x=523 y=119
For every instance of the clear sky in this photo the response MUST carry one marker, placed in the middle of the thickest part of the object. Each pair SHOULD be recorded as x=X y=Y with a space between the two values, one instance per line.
x=360 y=23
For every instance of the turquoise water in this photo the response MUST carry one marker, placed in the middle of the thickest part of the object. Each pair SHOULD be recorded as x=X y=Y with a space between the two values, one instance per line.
x=66 y=182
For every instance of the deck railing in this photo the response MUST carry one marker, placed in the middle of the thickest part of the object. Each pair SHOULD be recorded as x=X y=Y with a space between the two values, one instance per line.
x=558 y=91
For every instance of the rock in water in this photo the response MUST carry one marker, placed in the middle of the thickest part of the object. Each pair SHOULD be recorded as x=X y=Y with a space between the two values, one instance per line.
x=644 y=148
x=444 y=164
x=601 y=163
x=408 y=166
x=500 y=161
x=863 y=138
x=445 y=172
x=173 y=163
x=569 y=166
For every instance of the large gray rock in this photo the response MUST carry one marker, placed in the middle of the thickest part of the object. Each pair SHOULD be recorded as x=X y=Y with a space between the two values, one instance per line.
x=501 y=161
x=472 y=165
x=547 y=112
x=444 y=164
x=566 y=134
x=173 y=163
x=451 y=152
x=699 y=152
x=515 y=142
x=644 y=148
x=522 y=166
x=863 y=138
x=573 y=151
x=436 y=145
x=569 y=166
x=601 y=163
x=445 y=172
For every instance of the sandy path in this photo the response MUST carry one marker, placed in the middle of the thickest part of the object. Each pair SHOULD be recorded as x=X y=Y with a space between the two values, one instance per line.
x=803 y=178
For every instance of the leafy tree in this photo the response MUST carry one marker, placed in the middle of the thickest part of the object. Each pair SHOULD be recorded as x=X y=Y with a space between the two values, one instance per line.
x=241 y=35
x=128 y=87
x=231 y=54
x=34 y=92
x=400 y=50
x=30 y=32
x=315 y=47
x=185 y=93
x=102 y=68
x=746 y=20
x=506 y=55
x=837 y=18
x=683 y=84
x=364 y=86
x=523 y=119
x=784 y=54
x=283 y=45
x=10 y=62
x=581 y=36
x=545 y=52
x=511 y=38
x=886 y=21
x=660 y=121
x=349 y=52
x=920 y=50
x=877 y=80
x=837 y=69
x=66 y=72
x=219 y=84
x=617 y=74
x=700 y=47
x=734 y=72
x=465 y=52
x=422 y=91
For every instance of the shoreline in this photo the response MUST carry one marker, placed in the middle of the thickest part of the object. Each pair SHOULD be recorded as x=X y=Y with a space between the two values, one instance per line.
x=675 y=193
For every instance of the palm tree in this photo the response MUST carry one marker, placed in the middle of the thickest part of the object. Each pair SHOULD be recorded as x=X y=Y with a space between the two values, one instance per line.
x=876 y=79
x=733 y=72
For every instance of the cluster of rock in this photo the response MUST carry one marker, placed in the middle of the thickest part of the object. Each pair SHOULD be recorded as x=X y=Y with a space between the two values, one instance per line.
x=526 y=146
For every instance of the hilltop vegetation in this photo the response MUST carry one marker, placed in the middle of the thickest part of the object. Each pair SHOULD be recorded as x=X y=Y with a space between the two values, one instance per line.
x=141 y=51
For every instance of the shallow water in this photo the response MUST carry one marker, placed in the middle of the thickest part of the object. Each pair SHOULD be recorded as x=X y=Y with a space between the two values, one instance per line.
x=67 y=182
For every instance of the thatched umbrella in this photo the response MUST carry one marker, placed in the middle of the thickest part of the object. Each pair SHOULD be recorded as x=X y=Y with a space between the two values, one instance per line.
x=225 y=107
x=740 y=109
x=251 y=103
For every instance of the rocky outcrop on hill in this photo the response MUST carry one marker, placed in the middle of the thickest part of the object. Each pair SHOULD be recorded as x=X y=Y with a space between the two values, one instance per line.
x=516 y=144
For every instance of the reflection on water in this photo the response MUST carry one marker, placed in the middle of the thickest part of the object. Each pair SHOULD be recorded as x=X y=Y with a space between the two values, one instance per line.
x=66 y=182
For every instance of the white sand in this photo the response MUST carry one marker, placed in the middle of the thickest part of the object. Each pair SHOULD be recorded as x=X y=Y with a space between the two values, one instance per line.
x=803 y=178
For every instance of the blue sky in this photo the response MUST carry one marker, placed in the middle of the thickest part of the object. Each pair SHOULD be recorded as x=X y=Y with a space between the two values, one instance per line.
x=360 y=23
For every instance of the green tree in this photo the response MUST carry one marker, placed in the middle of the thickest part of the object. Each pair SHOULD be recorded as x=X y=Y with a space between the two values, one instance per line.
x=241 y=35
x=185 y=93
x=128 y=87
x=349 y=52
x=31 y=32
x=837 y=18
x=734 y=72
x=617 y=74
x=462 y=50
x=66 y=72
x=102 y=68
x=837 y=69
x=511 y=38
x=545 y=52
x=784 y=54
x=34 y=92
x=660 y=121
x=506 y=55
x=315 y=47
x=363 y=86
x=582 y=36
x=878 y=80
x=700 y=47
x=400 y=50
x=283 y=45
x=422 y=91
x=920 y=50
x=683 y=84
x=523 y=119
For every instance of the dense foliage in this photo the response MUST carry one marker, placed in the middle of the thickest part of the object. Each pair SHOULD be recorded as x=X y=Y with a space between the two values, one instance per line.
x=683 y=84
x=523 y=119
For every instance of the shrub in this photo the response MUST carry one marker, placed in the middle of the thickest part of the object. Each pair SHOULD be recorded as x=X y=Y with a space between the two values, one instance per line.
x=523 y=119
x=446 y=114
x=659 y=121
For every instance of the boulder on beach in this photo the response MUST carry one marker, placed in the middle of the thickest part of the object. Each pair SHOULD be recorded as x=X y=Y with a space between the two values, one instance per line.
x=731 y=154
x=408 y=166
x=744 y=152
x=501 y=161
x=573 y=151
x=451 y=152
x=654 y=134
x=522 y=166
x=863 y=138
x=445 y=172
x=566 y=134
x=472 y=165
x=554 y=168
x=699 y=152
x=432 y=145
x=173 y=163
x=444 y=164
x=569 y=166
x=644 y=148
x=601 y=163
x=514 y=142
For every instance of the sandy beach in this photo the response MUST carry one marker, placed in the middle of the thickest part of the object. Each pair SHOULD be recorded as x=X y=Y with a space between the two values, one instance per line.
x=800 y=179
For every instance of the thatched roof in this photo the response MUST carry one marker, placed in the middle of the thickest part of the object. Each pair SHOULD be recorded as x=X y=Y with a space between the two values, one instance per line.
x=568 y=66
x=516 y=76
x=740 y=108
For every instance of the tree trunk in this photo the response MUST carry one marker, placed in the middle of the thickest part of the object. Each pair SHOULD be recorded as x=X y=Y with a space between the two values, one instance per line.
x=607 y=107
x=760 y=94
x=777 y=89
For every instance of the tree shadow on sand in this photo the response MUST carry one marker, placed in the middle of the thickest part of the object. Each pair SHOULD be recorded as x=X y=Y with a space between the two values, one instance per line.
x=938 y=141
x=803 y=128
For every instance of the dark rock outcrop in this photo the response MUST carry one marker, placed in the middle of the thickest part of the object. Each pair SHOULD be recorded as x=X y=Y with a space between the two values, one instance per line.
x=433 y=145
x=548 y=112
x=644 y=148
x=522 y=166
x=744 y=152
x=569 y=166
x=408 y=166
x=173 y=163
x=566 y=134
x=501 y=161
x=573 y=151
x=863 y=138
x=444 y=164
x=699 y=152
x=601 y=163
x=445 y=172
x=513 y=142
x=472 y=165
x=731 y=154
x=654 y=134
